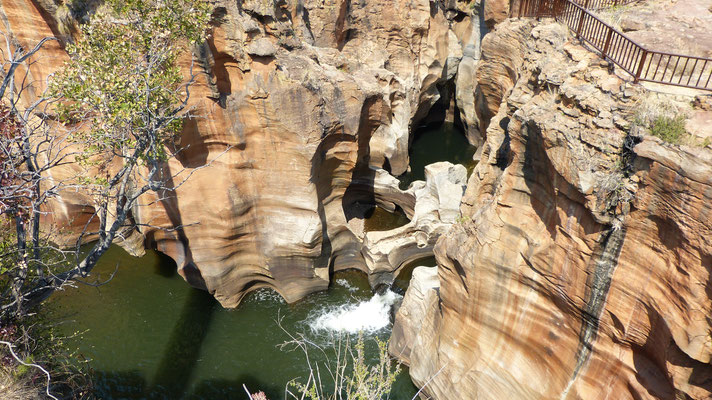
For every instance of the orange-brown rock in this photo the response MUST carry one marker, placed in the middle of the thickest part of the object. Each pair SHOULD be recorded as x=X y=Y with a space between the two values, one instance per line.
x=299 y=105
x=584 y=271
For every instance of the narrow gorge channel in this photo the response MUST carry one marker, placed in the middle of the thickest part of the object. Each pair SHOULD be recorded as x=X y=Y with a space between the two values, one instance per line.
x=146 y=334
x=561 y=208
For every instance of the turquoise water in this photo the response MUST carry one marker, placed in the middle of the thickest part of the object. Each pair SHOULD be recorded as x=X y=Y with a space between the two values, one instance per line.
x=150 y=336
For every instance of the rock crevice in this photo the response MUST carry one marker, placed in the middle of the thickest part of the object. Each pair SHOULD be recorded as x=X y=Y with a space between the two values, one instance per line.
x=582 y=270
x=304 y=104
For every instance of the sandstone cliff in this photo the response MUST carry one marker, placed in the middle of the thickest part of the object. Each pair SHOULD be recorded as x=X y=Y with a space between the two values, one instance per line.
x=583 y=271
x=303 y=104
x=580 y=264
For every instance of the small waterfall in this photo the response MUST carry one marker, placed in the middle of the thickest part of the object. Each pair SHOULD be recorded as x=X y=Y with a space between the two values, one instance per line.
x=368 y=316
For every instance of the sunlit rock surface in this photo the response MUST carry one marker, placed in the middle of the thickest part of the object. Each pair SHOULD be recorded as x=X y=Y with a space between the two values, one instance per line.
x=420 y=300
x=298 y=106
x=580 y=264
x=583 y=271
x=437 y=203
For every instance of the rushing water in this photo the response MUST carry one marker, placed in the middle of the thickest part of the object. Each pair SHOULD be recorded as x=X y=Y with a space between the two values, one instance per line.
x=433 y=143
x=149 y=335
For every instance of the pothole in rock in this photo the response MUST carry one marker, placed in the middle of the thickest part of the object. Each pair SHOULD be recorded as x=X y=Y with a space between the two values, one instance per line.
x=400 y=284
x=378 y=219
x=436 y=142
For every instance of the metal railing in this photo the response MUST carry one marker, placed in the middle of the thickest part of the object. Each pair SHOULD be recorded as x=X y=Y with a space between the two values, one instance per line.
x=601 y=4
x=613 y=45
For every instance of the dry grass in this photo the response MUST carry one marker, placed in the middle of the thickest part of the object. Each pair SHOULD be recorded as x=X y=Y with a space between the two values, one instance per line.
x=613 y=15
x=13 y=387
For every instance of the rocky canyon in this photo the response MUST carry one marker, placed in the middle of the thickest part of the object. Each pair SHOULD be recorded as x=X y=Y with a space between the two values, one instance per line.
x=299 y=108
x=582 y=271
x=573 y=262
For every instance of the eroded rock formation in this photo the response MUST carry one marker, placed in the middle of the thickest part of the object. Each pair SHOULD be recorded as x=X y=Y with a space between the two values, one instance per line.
x=580 y=264
x=303 y=104
x=437 y=207
x=584 y=269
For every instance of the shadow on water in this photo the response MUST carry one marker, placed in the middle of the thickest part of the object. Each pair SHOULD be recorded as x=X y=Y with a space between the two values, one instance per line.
x=165 y=267
x=437 y=142
x=148 y=335
x=183 y=349
x=180 y=359
x=180 y=355
x=120 y=385
x=400 y=284
x=378 y=219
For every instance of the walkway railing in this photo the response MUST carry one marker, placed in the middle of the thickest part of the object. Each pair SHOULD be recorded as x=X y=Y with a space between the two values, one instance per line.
x=613 y=45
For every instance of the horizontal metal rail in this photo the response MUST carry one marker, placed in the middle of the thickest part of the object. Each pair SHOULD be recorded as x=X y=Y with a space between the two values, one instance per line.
x=601 y=4
x=613 y=45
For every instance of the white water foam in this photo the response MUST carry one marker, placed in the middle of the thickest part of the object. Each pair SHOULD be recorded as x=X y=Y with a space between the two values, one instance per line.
x=266 y=295
x=343 y=282
x=368 y=316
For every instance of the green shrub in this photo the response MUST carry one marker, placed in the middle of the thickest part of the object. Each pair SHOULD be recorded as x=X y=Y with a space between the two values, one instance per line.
x=669 y=129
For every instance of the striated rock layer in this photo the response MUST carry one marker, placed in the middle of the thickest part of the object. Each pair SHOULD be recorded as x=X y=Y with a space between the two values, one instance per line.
x=301 y=104
x=583 y=271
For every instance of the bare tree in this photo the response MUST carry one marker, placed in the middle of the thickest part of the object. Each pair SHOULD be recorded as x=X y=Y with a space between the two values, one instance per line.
x=112 y=113
x=28 y=150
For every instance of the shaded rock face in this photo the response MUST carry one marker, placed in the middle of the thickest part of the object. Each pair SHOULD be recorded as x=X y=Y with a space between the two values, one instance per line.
x=584 y=268
x=303 y=104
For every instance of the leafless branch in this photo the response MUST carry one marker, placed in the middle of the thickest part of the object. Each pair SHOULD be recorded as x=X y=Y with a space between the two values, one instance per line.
x=44 y=371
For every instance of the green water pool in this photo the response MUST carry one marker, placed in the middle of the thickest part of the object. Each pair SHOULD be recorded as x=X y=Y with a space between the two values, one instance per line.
x=434 y=143
x=148 y=335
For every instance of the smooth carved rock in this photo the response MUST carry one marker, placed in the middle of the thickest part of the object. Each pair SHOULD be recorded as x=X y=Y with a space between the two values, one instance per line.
x=437 y=204
x=303 y=103
x=420 y=297
x=584 y=271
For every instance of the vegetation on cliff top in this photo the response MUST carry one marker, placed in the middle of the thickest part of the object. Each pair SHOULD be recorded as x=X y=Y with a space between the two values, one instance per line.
x=660 y=117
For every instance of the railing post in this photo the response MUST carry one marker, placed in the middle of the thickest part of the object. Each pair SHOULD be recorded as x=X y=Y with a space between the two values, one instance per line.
x=607 y=44
x=554 y=9
x=556 y=5
x=640 y=66
x=538 y=9
x=580 y=24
